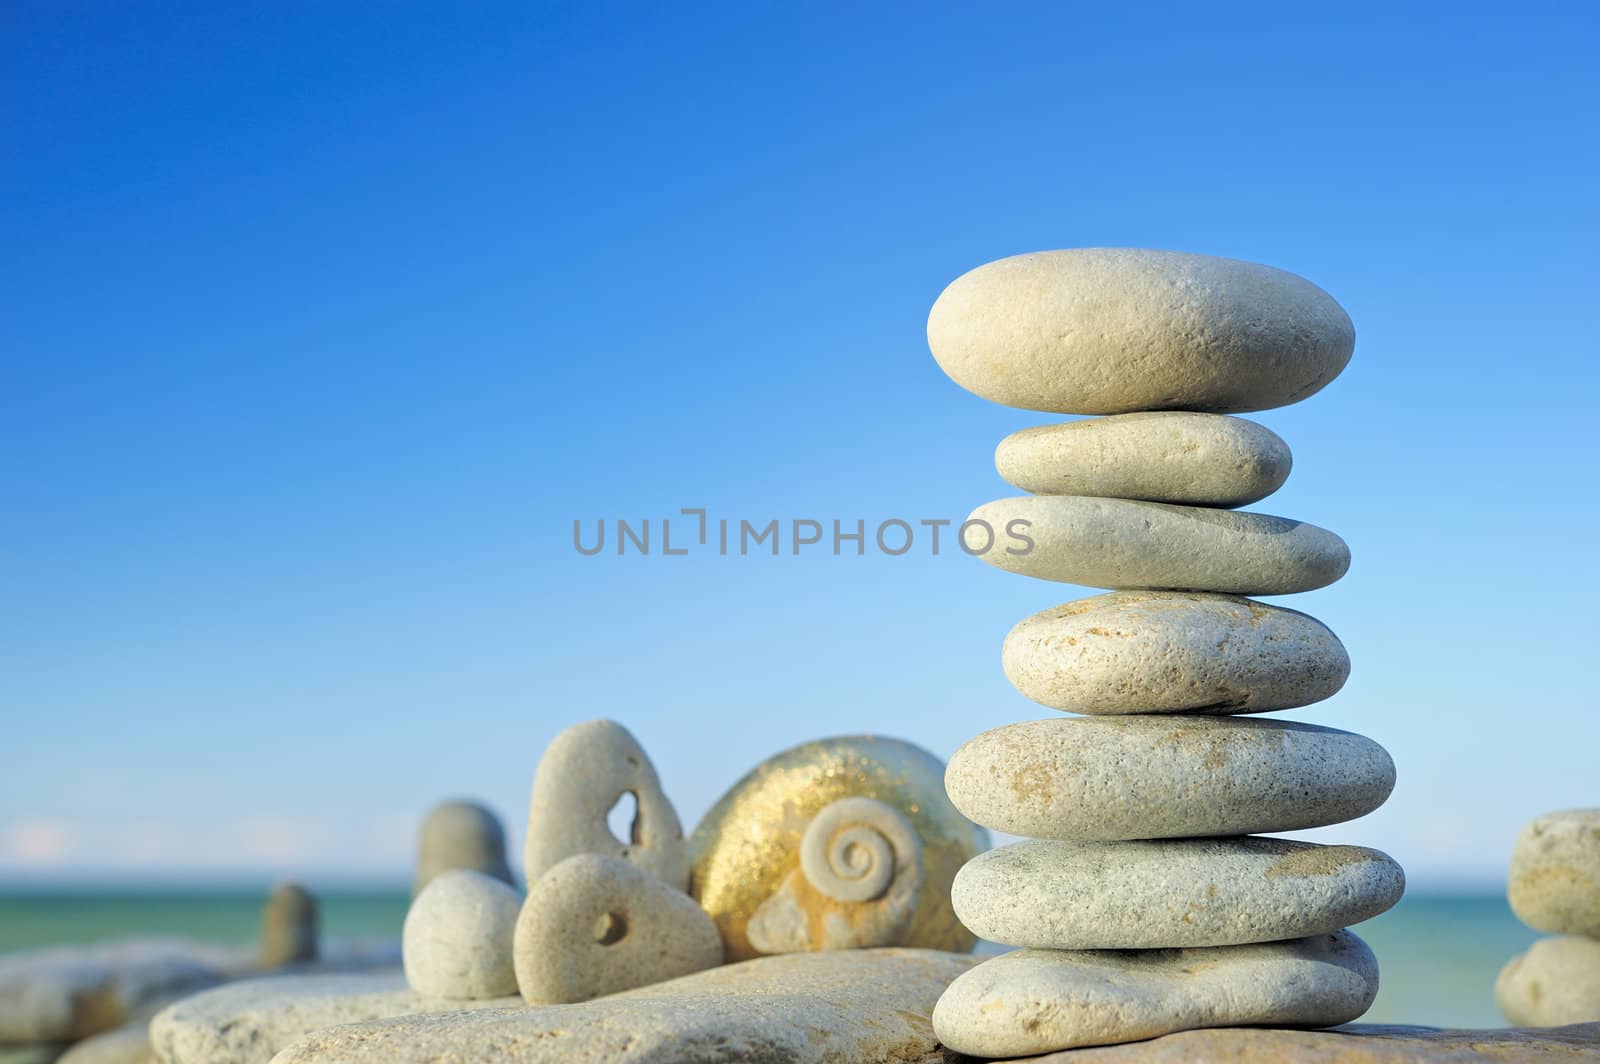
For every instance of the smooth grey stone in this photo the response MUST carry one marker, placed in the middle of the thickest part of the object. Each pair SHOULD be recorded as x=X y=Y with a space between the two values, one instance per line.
x=1555 y=873
x=249 y=1021
x=1037 y=1001
x=458 y=936
x=1168 y=893
x=584 y=772
x=1126 y=545
x=1154 y=777
x=1557 y=981
x=1161 y=456
x=460 y=834
x=595 y=925
x=833 y=1007
x=1114 y=330
x=1173 y=651
x=288 y=926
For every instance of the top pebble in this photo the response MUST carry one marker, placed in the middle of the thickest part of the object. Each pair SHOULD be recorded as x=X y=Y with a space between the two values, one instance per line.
x=1117 y=330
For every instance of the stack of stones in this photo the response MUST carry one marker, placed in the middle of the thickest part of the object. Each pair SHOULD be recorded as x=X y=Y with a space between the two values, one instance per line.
x=1144 y=903
x=1555 y=887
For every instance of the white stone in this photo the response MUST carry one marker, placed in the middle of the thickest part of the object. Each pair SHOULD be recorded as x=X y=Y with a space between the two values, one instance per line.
x=1154 y=777
x=1161 y=456
x=1555 y=873
x=1127 y=545
x=458 y=937
x=1038 y=1001
x=841 y=1007
x=1170 y=893
x=1114 y=330
x=584 y=772
x=596 y=925
x=1556 y=982
x=1173 y=651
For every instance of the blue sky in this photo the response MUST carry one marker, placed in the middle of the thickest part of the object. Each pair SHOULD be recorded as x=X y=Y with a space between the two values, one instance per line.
x=323 y=322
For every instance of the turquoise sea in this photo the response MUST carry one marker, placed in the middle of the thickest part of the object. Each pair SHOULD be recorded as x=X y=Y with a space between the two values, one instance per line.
x=1438 y=955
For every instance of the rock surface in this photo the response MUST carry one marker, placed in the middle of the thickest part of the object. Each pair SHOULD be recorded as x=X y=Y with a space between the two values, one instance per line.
x=249 y=1021
x=1161 y=456
x=1180 y=892
x=584 y=772
x=1037 y=1001
x=458 y=937
x=1555 y=873
x=1556 y=981
x=1151 y=777
x=860 y=1006
x=1127 y=545
x=596 y=925
x=1112 y=330
x=1173 y=651
x=1356 y=1043
x=747 y=847
x=128 y=1044
x=288 y=927
x=460 y=834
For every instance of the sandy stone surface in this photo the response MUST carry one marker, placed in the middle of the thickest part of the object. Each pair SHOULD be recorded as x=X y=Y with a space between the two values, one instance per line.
x=1356 y=1043
x=1112 y=330
x=1162 y=456
x=458 y=936
x=856 y=1006
x=1556 y=981
x=1555 y=873
x=1126 y=545
x=1151 y=777
x=1173 y=651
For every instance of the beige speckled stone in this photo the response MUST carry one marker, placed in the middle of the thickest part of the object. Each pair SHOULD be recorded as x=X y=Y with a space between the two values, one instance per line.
x=288 y=926
x=1176 y=892
x=1153 y=777
x=1355 y=1043
x=1162 y=456
x=1037 y=1001
x=1555 y=873
x=1128 y=545
x=249 y=1021
x=1113 y=330
x=856 y=1006
x=128 y=1044
x=458 y=936
x=460 y=834
x=1173 y=651
x=584 y=772
x=596 y=925
x=1556 y=981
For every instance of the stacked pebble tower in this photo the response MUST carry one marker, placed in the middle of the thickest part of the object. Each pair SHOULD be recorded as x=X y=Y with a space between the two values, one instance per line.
x=1142 y=902
x=1555 y=887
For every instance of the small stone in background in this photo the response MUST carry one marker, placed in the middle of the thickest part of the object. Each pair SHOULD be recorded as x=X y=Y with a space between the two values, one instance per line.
x=458 y=937
x=288 y=927
x=460 y=834
x=1556 y=982
x=1555 y=873
x=595 y=925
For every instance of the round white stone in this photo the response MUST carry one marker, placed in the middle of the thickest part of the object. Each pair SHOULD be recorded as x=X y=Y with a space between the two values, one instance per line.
x=458 y=936
x=1173 y=651
x=1554 y=983
x=1169 y=893
x=1114 y=330
x=1161 y=456
x=1127 y=545
x=1159 y=777
x=1555 y=873
x=1039 y=1001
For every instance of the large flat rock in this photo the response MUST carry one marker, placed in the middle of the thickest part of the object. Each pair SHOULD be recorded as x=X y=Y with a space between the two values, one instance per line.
x=1356 y=1043
x=861 y=1006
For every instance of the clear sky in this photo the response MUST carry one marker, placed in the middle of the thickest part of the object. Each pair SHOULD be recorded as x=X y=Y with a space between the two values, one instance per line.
x=322 y=322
